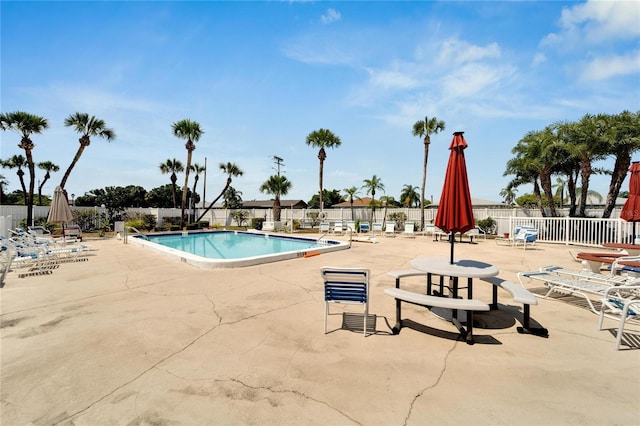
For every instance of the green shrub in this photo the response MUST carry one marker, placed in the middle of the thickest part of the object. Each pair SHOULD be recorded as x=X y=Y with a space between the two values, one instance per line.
x=136 y=223
x=488 y=225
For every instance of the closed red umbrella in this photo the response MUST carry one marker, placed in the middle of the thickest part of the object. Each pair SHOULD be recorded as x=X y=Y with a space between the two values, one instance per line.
x=631 y=209
x=455 y=213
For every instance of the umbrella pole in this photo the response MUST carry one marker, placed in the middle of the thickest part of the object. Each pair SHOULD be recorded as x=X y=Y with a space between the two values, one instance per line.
x=452 y=239
x=633 y=241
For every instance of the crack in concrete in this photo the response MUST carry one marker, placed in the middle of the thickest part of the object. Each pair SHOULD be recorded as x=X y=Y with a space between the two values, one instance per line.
x=260 y=388
x=419 y=394
x=168 y=357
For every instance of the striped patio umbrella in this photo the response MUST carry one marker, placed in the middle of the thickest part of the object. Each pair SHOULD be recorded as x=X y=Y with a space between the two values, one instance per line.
x=455 y=213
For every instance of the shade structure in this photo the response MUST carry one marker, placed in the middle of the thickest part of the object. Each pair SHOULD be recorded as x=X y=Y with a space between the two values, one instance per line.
x=631 y=209
x=60 y=211
x=455 y=212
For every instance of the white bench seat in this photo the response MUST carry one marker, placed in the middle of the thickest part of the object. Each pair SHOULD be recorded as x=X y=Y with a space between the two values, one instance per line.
x=436 y=301
x=520 y=295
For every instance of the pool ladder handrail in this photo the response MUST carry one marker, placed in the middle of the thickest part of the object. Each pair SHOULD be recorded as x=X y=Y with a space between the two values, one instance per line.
x=135 y=231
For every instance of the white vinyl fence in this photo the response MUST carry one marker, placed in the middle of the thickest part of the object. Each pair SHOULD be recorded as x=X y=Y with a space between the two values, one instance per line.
x=591 y=231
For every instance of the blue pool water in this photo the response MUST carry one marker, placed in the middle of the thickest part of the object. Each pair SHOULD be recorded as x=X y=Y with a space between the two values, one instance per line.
x=233 y=248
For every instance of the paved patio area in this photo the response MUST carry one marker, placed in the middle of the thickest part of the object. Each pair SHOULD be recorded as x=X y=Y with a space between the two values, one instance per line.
x=131 y=337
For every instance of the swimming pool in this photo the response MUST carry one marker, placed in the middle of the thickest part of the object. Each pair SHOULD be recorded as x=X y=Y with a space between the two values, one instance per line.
x=232 y=249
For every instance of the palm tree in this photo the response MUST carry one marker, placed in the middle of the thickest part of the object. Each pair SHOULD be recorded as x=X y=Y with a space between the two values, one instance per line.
x=409 y=196
x=197 y=169
x=232 y=198
x=87 y=127
x=386 y=200
x=172 y=166
x=191 y=131
x=232 y=170
x=276 y=186
x=371 y=185
x=559 y=185
x=322 y=138
x=351 y=192
x=508 y=194
x=18 y=162
x=48 y=167
x=3 y=184
x=425 y=129
x=26 y=124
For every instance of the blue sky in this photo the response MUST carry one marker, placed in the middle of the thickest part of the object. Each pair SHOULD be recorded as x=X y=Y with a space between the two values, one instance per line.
x=260 y=76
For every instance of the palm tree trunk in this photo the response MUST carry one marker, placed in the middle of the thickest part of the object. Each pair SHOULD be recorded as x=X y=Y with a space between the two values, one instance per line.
x=623 y=161
x=321 y=171
x=424 y=181
x=185 y=188
x=46 y=178
x=585 y=174
x=73 y=164
x=214 y=201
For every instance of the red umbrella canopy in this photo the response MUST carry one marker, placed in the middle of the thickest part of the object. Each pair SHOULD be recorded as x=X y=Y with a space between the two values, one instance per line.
x=455 y=213
x=631 y=209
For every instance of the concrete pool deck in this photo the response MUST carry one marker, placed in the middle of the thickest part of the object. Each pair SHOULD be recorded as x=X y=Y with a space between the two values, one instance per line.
x=131 y=337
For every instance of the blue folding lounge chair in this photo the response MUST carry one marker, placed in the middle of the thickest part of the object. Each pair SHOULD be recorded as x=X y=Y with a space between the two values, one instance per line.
x=346 y=285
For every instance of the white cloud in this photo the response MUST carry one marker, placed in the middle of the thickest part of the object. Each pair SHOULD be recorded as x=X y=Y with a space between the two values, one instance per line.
x=596 y=22
x=539 y=58
x=455 y=51
x=603 y=68
x=392 y=79
x=331 y=16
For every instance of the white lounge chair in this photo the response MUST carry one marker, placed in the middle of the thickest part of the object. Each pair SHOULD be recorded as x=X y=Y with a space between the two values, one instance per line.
x=350 y=226
x=390 y=229
x=584 y=287
x=337 y=227
x=409 y=230
x=620 y=303
x=324 y=227
x=347 y=286
x=376 y=228
x=364 y=228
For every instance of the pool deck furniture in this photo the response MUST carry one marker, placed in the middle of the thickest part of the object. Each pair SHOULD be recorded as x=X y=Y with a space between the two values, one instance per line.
x=442 y=267
x=631 y=249
x=595 y=261
x=347 y=286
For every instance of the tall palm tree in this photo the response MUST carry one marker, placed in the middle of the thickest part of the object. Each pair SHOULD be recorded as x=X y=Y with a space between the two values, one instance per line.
x=18 y=162
x=197 y=169
x=87 y=127
x=276 y=186
x=48 y=167
x=351 y=192
x=409 y=196
x=231 y=170
x=172 y=166
x=424 y=129
x=371 y=185
x=26 y=124
x=191 y=131
x=322 y=138
x=559 y=185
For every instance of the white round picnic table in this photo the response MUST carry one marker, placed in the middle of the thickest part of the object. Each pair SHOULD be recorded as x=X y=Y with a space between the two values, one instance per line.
x=462 y=268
